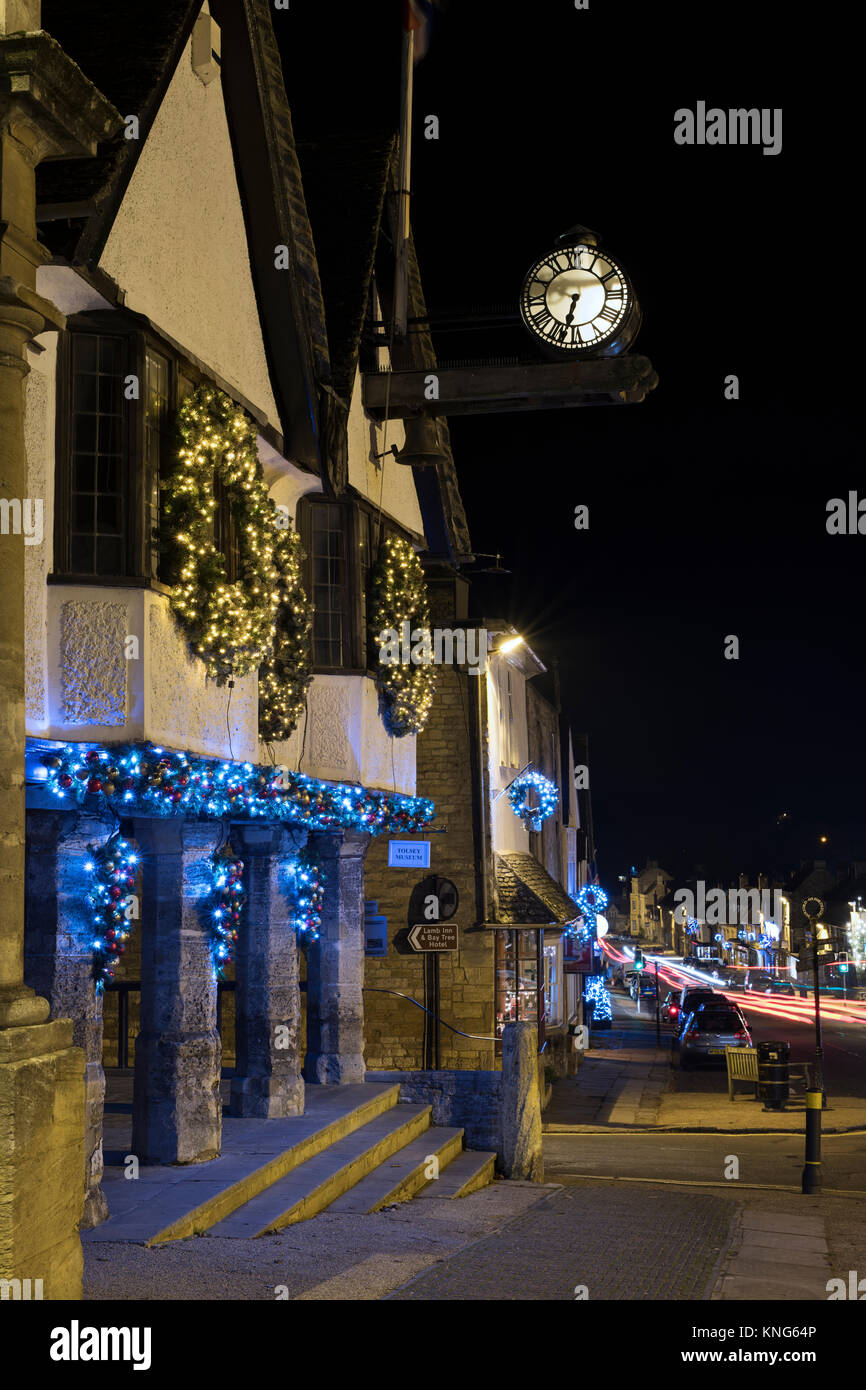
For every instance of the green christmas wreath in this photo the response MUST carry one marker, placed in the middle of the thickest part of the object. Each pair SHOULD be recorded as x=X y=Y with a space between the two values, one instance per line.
x=398 y=595
x=229 y=625
x=262 y=620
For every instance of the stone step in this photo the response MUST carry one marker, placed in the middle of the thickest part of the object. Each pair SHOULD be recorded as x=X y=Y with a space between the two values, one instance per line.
x=403 y=1174
x=314 y=1185
x=169 y=1202
x=470 y=1170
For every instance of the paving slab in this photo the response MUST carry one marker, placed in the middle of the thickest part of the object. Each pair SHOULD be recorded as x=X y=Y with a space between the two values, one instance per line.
x=781 y=1221
x=792 y=1244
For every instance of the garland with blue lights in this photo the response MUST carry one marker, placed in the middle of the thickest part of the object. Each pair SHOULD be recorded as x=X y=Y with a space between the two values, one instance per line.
x=112 y=868
x=308 y=893
x=518 y=795
x=597 y=996
x=155 y=781
x=229 y=898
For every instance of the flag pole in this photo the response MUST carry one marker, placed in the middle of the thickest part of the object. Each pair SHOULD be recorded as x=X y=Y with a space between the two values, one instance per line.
x=401 y=277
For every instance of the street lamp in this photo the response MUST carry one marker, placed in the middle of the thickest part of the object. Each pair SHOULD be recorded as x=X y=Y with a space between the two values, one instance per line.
x=813 y=908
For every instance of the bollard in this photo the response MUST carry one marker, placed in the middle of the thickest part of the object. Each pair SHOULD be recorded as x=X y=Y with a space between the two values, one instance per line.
x=812 y=1169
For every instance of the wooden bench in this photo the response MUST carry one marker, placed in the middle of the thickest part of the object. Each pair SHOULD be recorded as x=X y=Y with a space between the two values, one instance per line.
x=742 y=1065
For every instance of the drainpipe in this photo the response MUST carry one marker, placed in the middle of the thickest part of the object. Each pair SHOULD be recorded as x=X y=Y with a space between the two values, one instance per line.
x=482 y=796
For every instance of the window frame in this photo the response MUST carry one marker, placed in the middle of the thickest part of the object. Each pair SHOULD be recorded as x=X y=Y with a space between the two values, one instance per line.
x=141 y=547
x=357 y=512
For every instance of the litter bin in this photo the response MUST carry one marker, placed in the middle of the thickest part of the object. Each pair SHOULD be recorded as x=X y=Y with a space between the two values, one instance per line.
x=773 y=1059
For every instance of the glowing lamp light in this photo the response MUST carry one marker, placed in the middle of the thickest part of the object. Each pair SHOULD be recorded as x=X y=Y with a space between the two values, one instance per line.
x=601 y=926
x=510 y=645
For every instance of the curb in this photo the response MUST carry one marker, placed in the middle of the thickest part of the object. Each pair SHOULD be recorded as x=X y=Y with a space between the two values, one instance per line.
x=696 y=1129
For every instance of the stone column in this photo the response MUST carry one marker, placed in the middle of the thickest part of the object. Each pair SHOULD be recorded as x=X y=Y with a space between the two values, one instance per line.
x=520 y=1106
x=335 y=963
x=58 y=962
x=48 y=109
x=267 y=1080
x=176 y=1111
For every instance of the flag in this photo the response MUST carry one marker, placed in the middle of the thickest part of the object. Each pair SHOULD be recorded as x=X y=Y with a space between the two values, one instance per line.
x=418 y=19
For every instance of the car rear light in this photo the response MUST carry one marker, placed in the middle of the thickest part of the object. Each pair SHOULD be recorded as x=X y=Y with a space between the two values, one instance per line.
x=674 y=1009
x=741 y=1036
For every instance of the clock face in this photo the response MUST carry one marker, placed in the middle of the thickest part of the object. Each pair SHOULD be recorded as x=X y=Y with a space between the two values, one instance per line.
x=576 y=299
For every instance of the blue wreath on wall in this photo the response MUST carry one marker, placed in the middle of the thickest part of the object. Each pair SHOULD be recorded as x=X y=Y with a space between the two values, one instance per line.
x=519 y=794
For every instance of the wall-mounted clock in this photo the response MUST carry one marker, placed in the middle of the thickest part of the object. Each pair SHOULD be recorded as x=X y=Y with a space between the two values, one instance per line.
x=577 y=300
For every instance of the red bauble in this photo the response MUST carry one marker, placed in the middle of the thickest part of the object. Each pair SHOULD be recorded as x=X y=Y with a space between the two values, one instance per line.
x=65 y=780
x=94 y=785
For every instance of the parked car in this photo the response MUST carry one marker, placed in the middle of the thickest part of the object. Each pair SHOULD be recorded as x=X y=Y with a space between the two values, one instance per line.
x=642 y=986
x=707 y=1031
x=757 y=980
x=709 y=964
x=628 y=976
x=692 y=995
x=779 y=985
x=670 y=1008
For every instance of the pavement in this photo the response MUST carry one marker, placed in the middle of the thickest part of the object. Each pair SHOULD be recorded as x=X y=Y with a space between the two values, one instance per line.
x=329 y=1258
x=642 y=1202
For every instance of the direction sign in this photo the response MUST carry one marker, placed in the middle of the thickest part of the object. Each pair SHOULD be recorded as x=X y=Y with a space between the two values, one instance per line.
x=434 y=936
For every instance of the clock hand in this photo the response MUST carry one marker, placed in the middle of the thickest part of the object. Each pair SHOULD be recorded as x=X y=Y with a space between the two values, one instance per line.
x=574 y=298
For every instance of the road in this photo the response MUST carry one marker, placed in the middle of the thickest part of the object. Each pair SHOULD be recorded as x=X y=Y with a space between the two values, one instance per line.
x=771 y=1160
x=792 y=1019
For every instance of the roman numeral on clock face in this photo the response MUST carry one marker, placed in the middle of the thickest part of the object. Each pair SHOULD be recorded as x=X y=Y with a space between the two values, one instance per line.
x=609 y=314
x=542 y=318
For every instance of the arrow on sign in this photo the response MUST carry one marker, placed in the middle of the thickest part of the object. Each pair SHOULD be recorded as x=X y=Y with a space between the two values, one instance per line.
x=434 y=936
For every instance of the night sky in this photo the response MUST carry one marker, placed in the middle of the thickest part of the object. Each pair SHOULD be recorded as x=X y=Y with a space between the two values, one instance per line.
x=707 y=517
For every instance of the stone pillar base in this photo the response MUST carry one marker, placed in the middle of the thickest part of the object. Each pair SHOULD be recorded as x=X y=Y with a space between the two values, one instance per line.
x=95 y=1200
x=177 y=1116
x=41 y=1158
x=335 y=965
x=334 y=1068
x=267 y=1097
x=520 y=1150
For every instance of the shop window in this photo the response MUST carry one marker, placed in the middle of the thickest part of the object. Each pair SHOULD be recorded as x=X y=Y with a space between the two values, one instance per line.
x=553 y=1001
x=518 y=977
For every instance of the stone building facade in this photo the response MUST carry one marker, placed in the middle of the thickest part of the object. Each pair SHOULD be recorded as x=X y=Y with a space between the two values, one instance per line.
x=184 y=254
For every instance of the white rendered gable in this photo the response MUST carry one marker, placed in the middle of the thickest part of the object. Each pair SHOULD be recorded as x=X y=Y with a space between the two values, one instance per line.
x=178 y=245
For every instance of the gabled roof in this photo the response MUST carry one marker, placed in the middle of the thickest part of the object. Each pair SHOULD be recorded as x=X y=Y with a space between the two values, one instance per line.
x=131 y=52
x=528 y=896
x=345 y=178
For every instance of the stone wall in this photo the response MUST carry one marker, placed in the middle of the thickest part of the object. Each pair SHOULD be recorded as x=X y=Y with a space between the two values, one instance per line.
x=470 y=1100
x=394 y=1028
